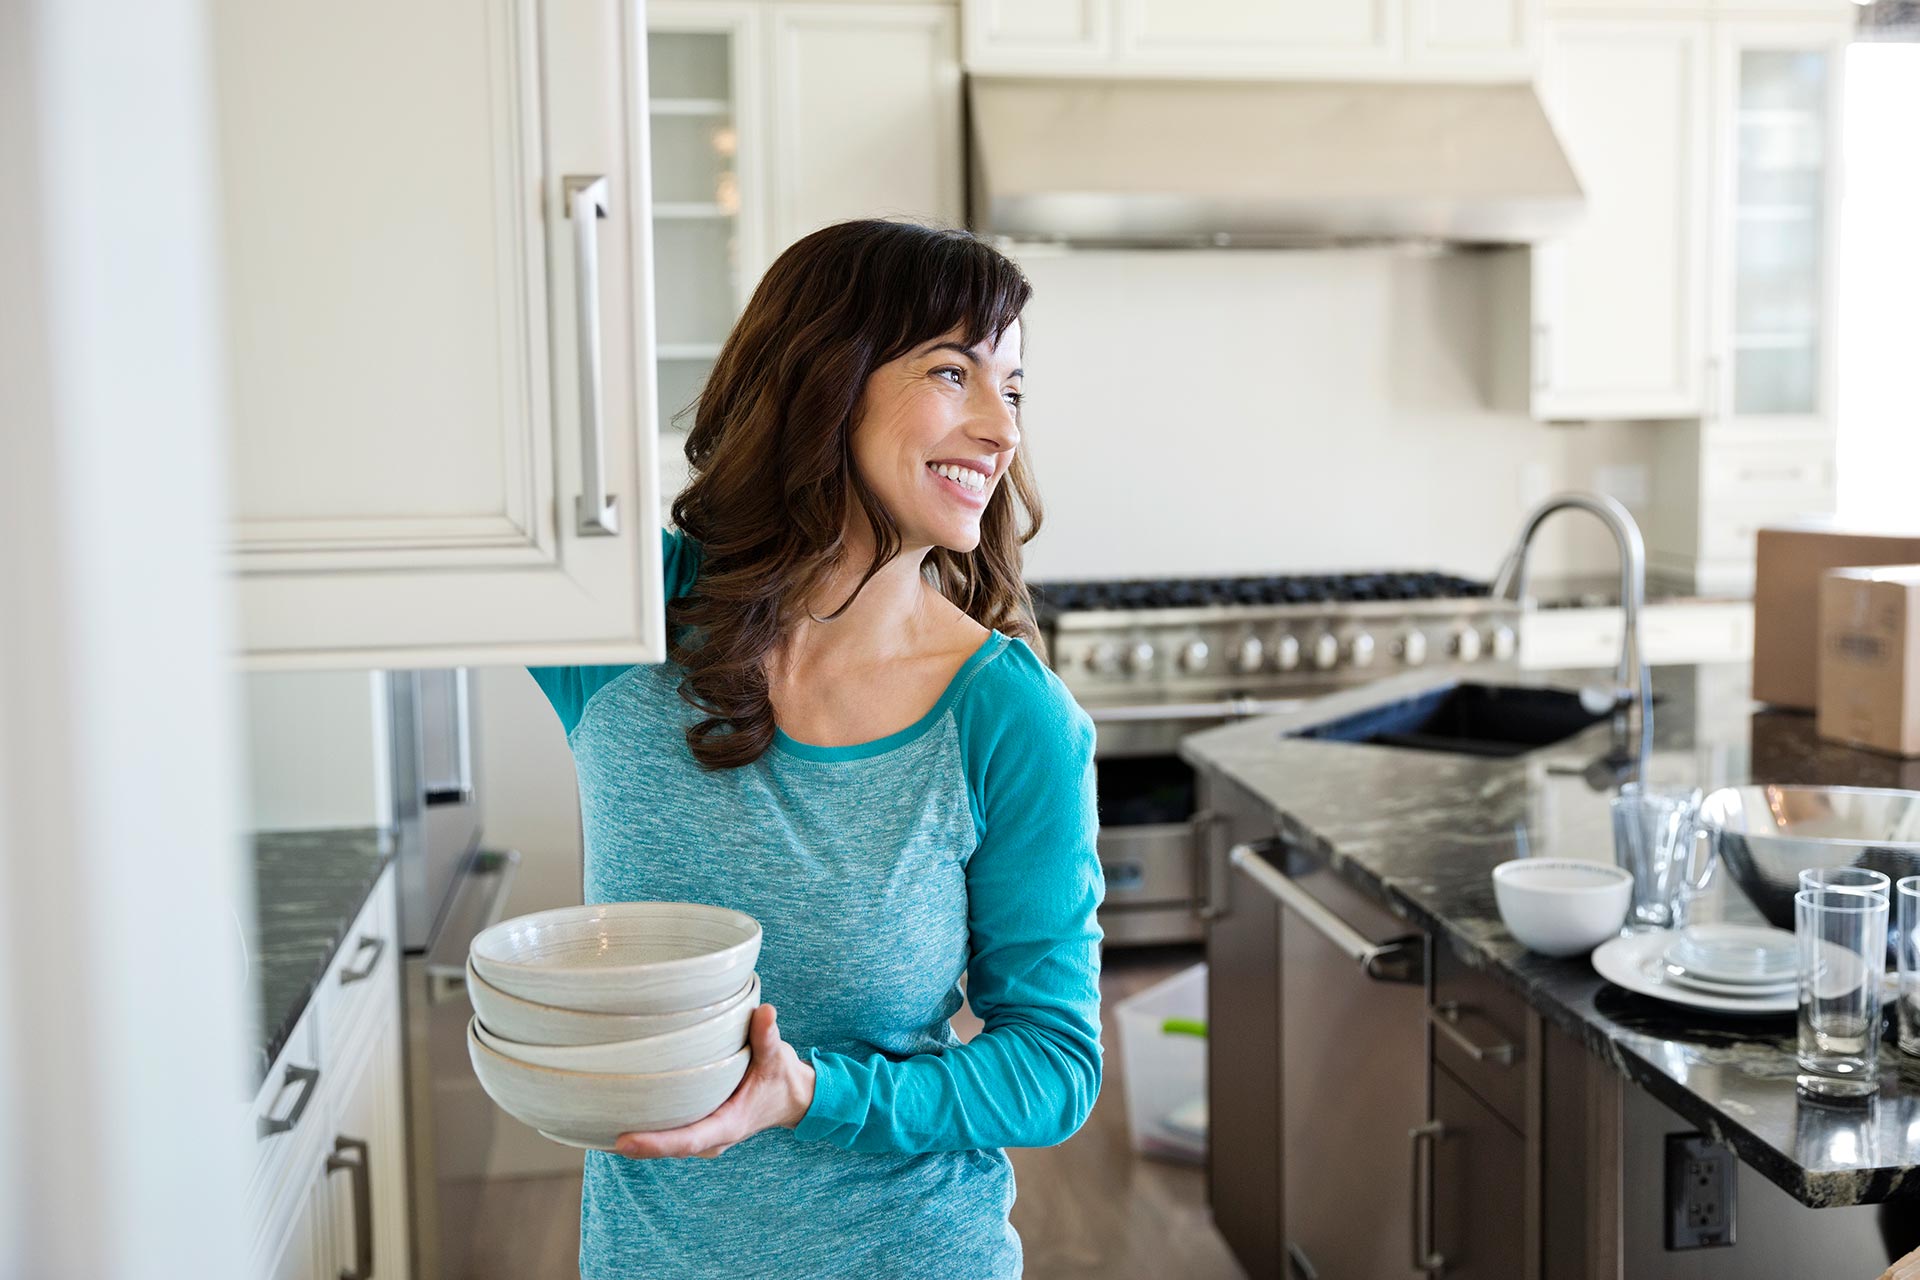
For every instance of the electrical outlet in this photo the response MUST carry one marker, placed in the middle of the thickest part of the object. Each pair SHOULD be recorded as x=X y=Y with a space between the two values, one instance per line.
x=1700 y=1192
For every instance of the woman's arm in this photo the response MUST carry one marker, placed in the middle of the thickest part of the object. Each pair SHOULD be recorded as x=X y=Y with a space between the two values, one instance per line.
x=1033 y=884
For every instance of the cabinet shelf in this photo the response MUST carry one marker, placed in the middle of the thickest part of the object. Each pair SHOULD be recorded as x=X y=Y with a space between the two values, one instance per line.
x=692 y=211
x=687 y=351
x=689 y=106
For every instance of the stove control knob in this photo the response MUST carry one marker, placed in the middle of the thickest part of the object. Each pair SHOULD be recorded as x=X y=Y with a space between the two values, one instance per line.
x=1139 y=657
x=1505 y=643
x=1360 y=650
x=1249 y=655
x=1466 y=644
x=1193 y=656
x=1413 y=648
x=1286 y=653
x=1104 y=659
x=1326 y=650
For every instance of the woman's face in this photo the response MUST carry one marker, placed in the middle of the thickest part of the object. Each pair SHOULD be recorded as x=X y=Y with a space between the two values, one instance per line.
x=935 y=434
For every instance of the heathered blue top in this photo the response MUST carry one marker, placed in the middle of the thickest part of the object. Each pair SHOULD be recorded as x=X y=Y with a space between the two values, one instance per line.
x=880 y=873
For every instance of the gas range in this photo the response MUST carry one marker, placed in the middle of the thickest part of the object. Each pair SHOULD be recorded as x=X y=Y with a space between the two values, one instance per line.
x=1287 y=635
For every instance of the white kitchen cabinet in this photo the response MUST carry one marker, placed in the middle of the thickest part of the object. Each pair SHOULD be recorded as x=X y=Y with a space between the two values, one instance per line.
x=441 y=381
x=1385 y=40
x=1620 y=303
x=770 y=120
x=1677 y=633
x=334 y=1102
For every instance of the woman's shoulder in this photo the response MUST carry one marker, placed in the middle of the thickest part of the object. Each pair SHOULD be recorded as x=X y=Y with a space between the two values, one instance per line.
x=1016 y=693
x=680 y=558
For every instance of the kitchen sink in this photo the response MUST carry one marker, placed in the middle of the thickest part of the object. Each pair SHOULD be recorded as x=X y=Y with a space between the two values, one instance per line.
x=1467 y=719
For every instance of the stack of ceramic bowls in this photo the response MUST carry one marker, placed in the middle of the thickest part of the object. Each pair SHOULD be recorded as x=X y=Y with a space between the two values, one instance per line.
x=590 y=1022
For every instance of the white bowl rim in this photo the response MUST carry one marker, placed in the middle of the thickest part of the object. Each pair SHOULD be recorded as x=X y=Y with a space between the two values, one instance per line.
x=718 y=1006
x=1613 y=876
x=474 y=1041
x=616 y=911
x=488 y=1033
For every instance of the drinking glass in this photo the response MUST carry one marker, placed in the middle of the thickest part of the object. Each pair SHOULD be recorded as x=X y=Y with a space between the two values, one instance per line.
x=1653 y=833
x=1848 y=879
x=1906 y=892
x=1841 y=938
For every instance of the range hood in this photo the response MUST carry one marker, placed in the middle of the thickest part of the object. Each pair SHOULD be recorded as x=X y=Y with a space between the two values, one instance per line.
x=1271 y=163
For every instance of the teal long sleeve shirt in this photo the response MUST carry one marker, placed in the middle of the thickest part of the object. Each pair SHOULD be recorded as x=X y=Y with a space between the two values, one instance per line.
x=880 y=873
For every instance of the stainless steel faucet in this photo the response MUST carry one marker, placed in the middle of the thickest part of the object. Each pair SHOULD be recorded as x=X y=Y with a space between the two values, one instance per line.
x=1631 y=698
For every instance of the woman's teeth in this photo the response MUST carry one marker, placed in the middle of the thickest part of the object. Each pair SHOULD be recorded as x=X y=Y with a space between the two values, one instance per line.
x=965 y=477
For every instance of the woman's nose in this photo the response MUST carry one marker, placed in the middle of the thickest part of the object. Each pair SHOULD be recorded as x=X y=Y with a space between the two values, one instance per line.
x=997 y=427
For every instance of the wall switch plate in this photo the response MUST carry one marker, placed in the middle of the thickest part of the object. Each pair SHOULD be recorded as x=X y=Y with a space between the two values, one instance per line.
x=1700 y=1192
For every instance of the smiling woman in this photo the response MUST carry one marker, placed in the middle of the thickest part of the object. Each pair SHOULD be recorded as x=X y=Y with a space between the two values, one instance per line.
x=853 y=743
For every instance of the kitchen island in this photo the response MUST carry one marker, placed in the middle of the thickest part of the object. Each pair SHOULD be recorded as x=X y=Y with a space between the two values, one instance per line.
x=1418 y=833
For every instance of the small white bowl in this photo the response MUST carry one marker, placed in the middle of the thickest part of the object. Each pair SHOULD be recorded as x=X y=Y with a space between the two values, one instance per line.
x=621 y=957
x=592 y=1109
x=525 y=1022
x=1562 y=906
x=706 y=1041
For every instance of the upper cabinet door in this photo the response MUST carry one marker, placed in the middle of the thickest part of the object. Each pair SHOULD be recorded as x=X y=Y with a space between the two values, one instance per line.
x=1495 y=39
x=1620 y=303
x=1305 y=37
x=865 y=116
x=442 y=380
x=1777 y=99
x=1038 y=35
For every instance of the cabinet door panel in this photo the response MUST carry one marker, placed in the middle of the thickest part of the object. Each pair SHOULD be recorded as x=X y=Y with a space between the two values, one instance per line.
x=1243 y=1077
x=1050 y=35
x=369 y=1111
x=405 y=361
x=1275 y=35
x=1494 y=38
x=1479 y=1187
x=1619 y=303
x=866 y=116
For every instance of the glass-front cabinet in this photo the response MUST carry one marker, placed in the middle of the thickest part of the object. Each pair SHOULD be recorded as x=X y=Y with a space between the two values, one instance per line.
x=1779 y=172
x=707 y=237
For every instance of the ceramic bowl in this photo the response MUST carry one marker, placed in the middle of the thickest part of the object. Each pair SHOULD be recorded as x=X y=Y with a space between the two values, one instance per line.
x=1561 y=906
x=512 y=1018
x=621 y=957
x=592 y=1109
x=707 y=1041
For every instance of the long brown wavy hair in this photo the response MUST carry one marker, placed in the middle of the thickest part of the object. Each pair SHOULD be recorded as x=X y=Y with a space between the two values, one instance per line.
x=773 y=479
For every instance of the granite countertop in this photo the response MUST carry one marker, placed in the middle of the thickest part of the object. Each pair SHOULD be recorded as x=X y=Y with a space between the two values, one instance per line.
x=309 y=886
x=1421 y=832
x=1602 y=591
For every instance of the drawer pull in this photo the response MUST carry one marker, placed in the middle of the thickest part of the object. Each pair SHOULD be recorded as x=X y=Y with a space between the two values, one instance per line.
x=1420 y=1184
x=306 y=1078
x=1123 y=876
x=1446 y=1020
x=362 y=1203
x=377 y=947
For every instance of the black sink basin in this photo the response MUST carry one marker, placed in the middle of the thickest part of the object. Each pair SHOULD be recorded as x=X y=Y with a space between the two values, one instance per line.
x=1467 y=719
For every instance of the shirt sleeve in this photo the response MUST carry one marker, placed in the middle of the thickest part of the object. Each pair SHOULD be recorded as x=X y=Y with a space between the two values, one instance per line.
x=570 y=688
x=1033 y=885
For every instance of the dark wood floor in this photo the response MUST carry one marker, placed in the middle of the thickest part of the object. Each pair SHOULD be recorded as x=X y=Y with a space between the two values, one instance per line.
x=1088 y=1207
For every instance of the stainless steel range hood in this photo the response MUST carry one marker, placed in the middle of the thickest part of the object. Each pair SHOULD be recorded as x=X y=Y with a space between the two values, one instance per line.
x=1184 y=163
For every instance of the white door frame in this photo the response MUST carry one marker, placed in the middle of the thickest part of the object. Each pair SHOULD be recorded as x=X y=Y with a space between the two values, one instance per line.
x=123 y=1020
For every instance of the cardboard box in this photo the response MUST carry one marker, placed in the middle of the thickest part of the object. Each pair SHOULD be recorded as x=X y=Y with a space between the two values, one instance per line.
x=1788 y=564
x=1869 y=670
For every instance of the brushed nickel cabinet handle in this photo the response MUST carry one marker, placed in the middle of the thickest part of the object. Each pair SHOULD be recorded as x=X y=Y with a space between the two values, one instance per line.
x=360 y=1167
x=378 y=947
x=1395 y=960
x=1446 y=1020
x=307 y=1078
x=596 y=512
x=1421 y=1182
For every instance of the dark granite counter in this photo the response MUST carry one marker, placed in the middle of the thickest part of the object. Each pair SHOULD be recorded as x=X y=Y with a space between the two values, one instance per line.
x=309 y=886
x=1421 y=832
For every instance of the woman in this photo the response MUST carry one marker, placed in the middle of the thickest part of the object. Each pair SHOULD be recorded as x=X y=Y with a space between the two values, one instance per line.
x=852 y=741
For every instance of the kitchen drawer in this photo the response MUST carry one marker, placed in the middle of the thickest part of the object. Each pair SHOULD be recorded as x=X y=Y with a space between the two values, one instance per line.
x=290 y=1103
x=1793 y=473
x=366 y=966
x=1480 y=1035
x=1148 y=864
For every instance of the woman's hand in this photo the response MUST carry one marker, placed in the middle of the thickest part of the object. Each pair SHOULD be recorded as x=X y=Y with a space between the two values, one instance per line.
x=777 y=1090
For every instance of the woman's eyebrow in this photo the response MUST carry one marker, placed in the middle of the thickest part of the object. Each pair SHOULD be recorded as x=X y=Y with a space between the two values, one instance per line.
x=965 y=351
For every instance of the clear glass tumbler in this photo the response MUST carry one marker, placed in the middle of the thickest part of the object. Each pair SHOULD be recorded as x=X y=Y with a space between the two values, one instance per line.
x=1851 y=879
x=1652 y=838
x=1906 y=909
x=1841 y=937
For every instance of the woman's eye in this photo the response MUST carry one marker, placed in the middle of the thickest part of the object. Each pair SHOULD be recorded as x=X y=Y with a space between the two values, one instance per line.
x=960 y=375
x=1015 y=397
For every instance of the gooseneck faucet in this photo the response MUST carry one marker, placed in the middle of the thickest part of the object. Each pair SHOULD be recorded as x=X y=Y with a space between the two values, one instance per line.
x=1631 y=698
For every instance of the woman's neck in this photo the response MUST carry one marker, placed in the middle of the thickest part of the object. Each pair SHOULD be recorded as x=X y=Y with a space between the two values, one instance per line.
x=896 y=614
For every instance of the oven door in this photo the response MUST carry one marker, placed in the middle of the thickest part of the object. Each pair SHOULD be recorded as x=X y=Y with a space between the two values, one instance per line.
x=1151 y=836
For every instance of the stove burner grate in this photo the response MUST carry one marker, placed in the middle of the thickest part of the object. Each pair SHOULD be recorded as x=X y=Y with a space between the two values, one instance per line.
x=1053 y=598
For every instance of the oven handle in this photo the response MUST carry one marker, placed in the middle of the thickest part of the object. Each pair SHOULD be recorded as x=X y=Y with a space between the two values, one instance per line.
x=1223 y=709
x=1396 y=960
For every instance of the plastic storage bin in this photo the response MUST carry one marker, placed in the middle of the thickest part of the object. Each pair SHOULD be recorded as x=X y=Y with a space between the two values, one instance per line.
x=1163 y=1062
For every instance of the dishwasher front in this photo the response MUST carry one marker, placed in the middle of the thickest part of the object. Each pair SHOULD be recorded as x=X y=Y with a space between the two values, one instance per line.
x=1353 y=1070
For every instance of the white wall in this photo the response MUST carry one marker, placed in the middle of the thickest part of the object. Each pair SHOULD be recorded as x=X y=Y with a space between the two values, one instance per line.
x=1240 y=411
x=317 y=750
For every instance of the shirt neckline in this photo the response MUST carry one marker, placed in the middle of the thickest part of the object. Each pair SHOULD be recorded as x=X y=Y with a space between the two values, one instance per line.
x=991 y=646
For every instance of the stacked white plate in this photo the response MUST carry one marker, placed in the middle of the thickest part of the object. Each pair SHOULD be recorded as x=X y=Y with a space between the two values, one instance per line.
x=590 y=1022
x=1728 y=968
